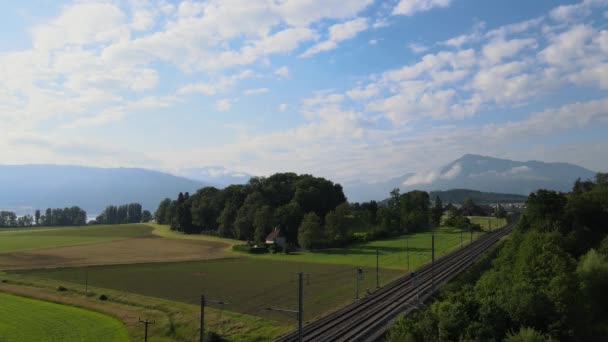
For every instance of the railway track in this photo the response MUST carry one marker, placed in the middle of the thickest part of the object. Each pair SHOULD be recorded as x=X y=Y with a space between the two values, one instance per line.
x=369 y=318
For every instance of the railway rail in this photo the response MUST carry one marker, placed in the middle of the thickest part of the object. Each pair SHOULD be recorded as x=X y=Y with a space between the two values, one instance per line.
x=369 y=318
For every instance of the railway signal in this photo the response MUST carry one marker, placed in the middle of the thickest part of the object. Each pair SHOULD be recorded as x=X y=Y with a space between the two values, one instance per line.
x=300 y=312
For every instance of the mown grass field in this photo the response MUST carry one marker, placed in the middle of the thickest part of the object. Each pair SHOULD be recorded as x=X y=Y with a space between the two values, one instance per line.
x=488 y=222
x=393 y=252
x=24 y=319
x=246 y=283
x=30 y=239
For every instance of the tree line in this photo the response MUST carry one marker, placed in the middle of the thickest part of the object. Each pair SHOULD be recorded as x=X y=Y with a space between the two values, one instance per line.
x=73 y=216
x=548 y=281
x=250 y=211
x=126 y=213
x=312 y=212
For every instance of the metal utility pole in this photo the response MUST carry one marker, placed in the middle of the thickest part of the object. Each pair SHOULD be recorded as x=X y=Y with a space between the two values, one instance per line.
x=413 y=275
x=407 y=250
x=461 y=244
x=471 y=234
x=202 y=322
x=300 y=312
x=377 y=268
x=202 y=333
x=359 y=277
x=300 y=304
x=490 y=222
x=146 y=323
x=86 y=281
x=433 y=261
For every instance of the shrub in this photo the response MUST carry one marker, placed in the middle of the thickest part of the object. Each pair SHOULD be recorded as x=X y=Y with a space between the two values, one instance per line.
x=249 y=249
x=103 y=297
x=61 y=289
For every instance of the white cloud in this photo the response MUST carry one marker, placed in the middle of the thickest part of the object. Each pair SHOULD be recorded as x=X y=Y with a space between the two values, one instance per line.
x=338 y=33
x=575 y=12
x=410 y=7
x=417 y=48
x=496 y=50
x=282 y=107
x=282 y=72
x=256 y=91
x=223 y=105
x=372 y=42
x=363 y=93
x=216 y=86
x=453 y=172
x=421 y=178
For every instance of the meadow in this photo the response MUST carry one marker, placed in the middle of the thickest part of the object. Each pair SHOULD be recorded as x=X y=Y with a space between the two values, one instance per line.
x=488 y=223
x=248 y=284
x=24 y=319
x=14 y=240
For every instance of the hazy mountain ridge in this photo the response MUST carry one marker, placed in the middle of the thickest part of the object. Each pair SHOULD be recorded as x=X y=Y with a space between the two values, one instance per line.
x=217 y=176
x=458 y=196
x=24 y=188
x=481 y=173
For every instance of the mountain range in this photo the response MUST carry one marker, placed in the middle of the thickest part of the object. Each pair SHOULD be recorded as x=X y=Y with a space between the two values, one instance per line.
x=24 y=188
x=481 y=173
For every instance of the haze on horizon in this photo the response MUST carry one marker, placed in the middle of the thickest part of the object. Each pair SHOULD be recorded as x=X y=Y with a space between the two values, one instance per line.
x=361 y=89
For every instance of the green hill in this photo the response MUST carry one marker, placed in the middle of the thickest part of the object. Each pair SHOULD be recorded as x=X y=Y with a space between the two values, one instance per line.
x=457 y=196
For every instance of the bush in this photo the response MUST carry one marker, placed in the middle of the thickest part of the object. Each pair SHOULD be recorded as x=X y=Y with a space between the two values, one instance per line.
x=103 y=297
x=212 y=336
x=249 y=249
x=4 y=280
x=61 y=289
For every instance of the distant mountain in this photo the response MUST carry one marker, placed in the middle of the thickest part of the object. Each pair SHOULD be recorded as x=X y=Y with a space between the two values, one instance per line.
x=217 y=176
x=489 y=174
x=475 y=172
x=24 y=188
x=358 y=191
x=458 y=196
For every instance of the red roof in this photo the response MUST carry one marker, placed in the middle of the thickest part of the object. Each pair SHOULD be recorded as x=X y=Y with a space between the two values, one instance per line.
x=274 y=234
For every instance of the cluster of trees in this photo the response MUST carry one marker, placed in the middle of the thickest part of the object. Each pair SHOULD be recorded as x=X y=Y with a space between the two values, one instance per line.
x=10 y=219
x=407 y=213
x=73 y=216
x=250 y=211
x=548 y=282
x=126 y=213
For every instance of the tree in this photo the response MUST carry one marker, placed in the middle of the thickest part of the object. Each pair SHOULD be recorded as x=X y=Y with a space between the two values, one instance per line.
x=437 y=212
x=414 y=211
x=37 y=217
x=500 y=212
x=262 y=223
x=146 y=216
x=337 y=223
x=289 y=217
x=310 y=232
x=161 y=213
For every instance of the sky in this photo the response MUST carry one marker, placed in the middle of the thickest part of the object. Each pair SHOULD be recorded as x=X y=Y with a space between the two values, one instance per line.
x=350 y=90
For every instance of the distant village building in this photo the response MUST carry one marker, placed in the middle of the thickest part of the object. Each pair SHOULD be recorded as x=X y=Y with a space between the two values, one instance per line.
x=277 y=237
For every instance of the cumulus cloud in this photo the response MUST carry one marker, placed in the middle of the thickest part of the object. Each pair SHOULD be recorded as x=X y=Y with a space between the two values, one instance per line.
x=410 y=7
x=282 y=71
x=256 y=91
x=337 y=34
x=223 y=105
x=282 y=107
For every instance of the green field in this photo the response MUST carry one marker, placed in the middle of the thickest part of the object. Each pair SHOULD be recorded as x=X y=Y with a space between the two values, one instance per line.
x=29 y=239
x=246 y=283
x=488 y=222
x=24 y=319
x=393 y=252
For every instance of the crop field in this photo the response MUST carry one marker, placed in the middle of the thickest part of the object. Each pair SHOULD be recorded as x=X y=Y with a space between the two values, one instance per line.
x=24 y=319
x=29 y=239
x=393 y=252
x=246 y=283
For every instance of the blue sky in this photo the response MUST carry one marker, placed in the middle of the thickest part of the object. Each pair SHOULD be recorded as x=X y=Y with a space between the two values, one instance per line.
x=361 y=89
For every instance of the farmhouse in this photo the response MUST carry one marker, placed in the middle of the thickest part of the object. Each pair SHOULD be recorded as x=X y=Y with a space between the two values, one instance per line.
x=276 y=237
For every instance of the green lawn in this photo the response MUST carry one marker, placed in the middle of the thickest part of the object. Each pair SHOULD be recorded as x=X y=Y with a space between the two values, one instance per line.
x=246 y=283
x=28 y=239
x=24 y=319
x=485 y=222
x=393 y=252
